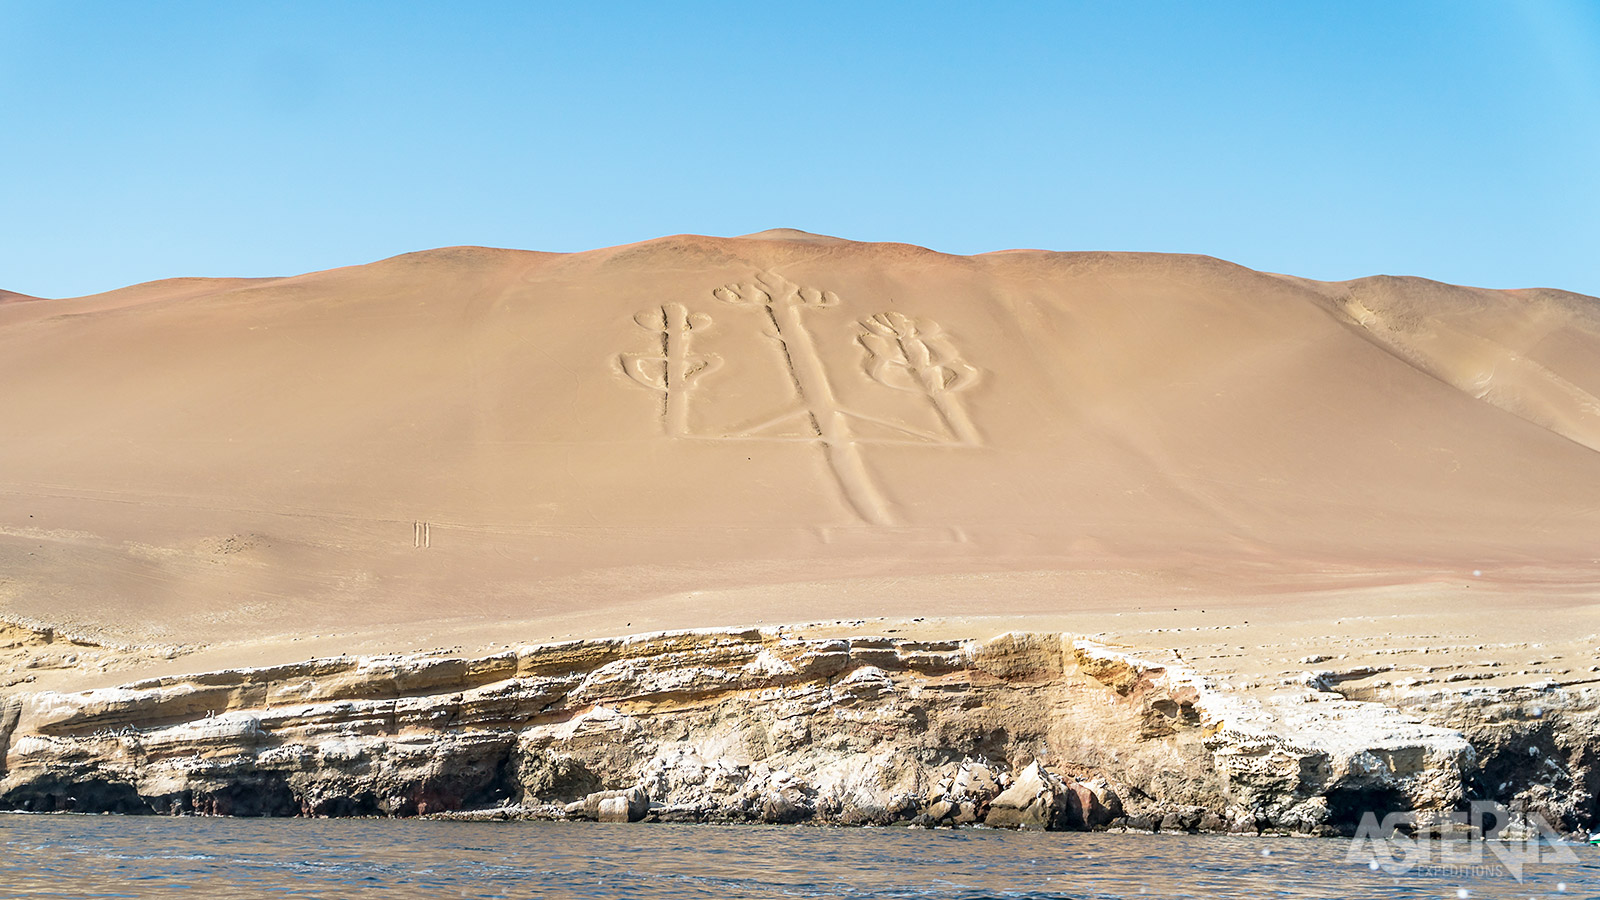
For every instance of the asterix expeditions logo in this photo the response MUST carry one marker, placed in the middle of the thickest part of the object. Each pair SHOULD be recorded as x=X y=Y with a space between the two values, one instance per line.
x=1498 y=841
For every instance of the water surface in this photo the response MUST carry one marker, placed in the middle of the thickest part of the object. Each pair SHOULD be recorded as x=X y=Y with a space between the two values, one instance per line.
x=110 y=856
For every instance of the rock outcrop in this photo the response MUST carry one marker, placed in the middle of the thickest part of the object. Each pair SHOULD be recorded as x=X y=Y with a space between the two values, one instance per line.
x=27 y=651
x=1025 y=730
x=1035 y=799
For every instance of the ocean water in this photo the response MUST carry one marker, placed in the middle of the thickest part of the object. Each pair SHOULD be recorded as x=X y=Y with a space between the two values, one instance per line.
x=107 y=856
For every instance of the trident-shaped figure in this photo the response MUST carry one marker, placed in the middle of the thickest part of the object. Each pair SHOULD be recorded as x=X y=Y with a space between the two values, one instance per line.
x=674 y=368
x=912 y=355
x=782 y=300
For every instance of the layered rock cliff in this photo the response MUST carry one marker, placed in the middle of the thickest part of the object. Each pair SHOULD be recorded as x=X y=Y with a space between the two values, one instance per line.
x=1024 y=730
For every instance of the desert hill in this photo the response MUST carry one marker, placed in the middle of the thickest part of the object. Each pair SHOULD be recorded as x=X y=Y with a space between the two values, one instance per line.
x=783 y=426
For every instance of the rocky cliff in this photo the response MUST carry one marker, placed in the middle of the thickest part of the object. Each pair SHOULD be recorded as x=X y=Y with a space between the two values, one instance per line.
x=1023 y=730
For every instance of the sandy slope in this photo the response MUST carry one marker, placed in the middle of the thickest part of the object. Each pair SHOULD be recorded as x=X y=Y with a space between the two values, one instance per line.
x=465 y=444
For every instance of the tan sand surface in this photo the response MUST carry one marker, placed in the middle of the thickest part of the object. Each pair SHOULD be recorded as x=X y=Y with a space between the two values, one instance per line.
x=468 y=446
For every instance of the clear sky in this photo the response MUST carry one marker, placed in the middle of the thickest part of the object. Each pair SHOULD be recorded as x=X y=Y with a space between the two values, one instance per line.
x=1454 y=140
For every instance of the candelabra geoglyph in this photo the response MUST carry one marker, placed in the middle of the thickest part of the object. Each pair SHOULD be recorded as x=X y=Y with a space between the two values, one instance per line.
x=908 y=355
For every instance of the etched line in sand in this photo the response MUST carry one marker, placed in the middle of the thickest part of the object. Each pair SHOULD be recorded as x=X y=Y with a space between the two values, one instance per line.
x=904 y=354
x=674 y=369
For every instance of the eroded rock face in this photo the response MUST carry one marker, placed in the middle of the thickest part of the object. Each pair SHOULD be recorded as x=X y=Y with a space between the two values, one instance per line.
x=1536 y=746
x=27 y=651
x=1025 y=730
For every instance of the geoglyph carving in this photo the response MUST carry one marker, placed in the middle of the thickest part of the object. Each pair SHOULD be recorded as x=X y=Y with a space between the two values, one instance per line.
x=913 y=355
x=904 y=354
x=671 y=370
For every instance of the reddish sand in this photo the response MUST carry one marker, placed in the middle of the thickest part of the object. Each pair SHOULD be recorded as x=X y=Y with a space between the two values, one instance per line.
x=471 y=444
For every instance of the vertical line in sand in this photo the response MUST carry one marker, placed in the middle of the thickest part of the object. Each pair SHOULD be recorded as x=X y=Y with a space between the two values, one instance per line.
x=921 y=364
x=675 y=350
x=842 y=453
x=666 y=369
x=955 y=418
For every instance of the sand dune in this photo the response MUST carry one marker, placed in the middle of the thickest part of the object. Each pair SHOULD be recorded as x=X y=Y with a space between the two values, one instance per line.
x=782 y=426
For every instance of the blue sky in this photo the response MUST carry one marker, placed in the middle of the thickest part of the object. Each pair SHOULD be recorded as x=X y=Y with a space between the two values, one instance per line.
x=1455 y=140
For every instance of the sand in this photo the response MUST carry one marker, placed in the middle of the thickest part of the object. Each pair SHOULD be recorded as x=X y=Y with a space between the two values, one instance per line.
x=469 y=446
